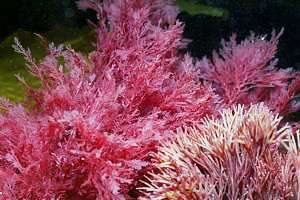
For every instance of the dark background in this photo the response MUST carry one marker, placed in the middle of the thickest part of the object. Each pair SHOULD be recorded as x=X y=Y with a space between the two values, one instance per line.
x=40 y=15
x=260 y=16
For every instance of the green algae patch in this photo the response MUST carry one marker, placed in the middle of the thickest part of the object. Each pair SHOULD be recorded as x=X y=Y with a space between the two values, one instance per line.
x=12 y=64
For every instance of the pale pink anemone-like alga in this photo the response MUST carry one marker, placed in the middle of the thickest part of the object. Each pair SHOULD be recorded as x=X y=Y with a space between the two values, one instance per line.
x=237 y=156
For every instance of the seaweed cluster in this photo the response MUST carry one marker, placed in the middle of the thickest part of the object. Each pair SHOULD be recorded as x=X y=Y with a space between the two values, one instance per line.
x=137 y=119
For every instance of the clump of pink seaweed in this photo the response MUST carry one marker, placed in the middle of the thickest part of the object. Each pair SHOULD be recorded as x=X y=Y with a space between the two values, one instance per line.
x=97 y=119
x=246 y=73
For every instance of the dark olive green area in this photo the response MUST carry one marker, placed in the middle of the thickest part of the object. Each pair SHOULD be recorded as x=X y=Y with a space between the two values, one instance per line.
x=12 y=64
x=200 y=9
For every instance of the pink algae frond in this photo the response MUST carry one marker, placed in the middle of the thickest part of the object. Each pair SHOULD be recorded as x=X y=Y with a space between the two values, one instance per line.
x=235 y=157
x=95 y=120
x=292 y=145
x=160 y=11
x=245 y=73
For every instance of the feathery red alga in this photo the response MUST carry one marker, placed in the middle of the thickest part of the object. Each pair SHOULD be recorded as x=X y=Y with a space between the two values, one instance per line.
x=96 y=120
x=246 y=73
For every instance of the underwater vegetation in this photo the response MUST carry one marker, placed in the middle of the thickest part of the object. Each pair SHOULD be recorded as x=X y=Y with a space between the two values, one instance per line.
x=237 y=156
x=13 y=64
x=136 y=119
